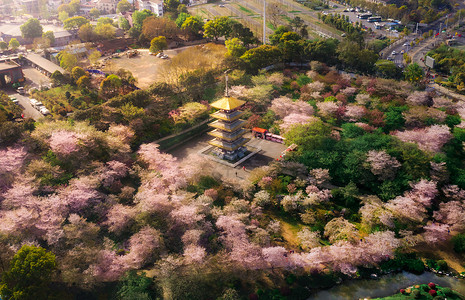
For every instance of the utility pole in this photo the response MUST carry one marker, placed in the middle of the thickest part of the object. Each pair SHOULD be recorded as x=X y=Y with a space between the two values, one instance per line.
x=264 y=22
x=416 y=30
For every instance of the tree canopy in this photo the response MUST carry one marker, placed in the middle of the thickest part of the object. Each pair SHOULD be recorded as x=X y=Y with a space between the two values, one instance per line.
x=31 y=29
x=75 y=22
x=29 y=274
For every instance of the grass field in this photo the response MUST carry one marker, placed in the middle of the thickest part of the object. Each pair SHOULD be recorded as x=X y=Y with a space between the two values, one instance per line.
x=246 y=10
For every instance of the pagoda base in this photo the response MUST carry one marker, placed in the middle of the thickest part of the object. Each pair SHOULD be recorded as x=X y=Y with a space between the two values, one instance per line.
x=208 y=152
x=230 y=155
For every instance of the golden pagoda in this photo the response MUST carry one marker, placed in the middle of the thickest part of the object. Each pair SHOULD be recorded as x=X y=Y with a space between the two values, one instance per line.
x=228 y=133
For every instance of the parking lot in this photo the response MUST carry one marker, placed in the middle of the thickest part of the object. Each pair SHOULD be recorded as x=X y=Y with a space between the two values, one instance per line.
x=34 y=78
x=353 y=18
x=28 y=110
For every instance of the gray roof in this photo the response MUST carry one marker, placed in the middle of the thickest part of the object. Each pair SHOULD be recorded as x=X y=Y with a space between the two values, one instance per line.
x=61 y=34
x=44 y=63
x=6 y=66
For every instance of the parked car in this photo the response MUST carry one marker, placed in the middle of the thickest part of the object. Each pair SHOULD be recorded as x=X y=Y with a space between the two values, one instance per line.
x=20 y=90
x=43 y=110
x=14 y=100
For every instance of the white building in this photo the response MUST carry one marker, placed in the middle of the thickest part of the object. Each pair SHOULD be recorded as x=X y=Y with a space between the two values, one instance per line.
x=155 y=6
x=52 y=5
x=107 y=6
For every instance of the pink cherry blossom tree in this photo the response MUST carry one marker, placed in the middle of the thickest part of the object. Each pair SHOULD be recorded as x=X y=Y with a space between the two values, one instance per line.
x=284 y=106
x=428 y=139
x=382 y=164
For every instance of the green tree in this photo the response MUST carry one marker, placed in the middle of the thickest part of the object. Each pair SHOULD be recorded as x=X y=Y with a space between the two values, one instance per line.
x=3 y=45
x=218 y=27
x=243 y=33
x=126 y=76
x=29 y=275
x=31 y=29
x=171 y=5
x=235 y=47
x=94 y=13
x=77 y=72
x=86 y=33
x=74 y=7
x=413 y=73
x=157 y=44
x=136 y=286
x=94 y=56
x=14 y=44
x=67 y=60
x=105 y=31
x=388 y=69
x=58 y=78
x=308 y=136
x=74 y=22
x=278 y=33
x=193 y=25
x=139 y=16
x=50 y=36
x=110 y=85
x=182 y=8
x=260 y=57
x=63 y=15
x=459 y=243
x=123 y=6
x=181 y=18
x=83 y=82
x=124 y=24
x=103 y=21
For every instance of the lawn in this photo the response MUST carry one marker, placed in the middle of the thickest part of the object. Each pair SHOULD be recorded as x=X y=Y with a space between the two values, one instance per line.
x=251 y=13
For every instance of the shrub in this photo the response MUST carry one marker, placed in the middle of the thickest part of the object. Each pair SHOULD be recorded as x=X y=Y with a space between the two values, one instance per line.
x=459 y=243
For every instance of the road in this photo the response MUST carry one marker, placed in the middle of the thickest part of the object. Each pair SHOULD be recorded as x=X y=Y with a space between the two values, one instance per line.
x=28 y=110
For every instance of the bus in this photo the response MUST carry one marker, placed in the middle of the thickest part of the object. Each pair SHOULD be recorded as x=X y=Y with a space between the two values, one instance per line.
x=364 y=16
x=374 y=19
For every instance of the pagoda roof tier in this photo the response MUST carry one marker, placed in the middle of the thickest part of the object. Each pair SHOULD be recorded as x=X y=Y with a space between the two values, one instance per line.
x=229 y=146
x=227 y=103
x=228 y=136
x=226 y=126
x=222 y=115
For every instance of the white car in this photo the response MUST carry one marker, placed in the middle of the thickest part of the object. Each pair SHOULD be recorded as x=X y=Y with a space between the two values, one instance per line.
x=405 y=44
x=33 y=102
x=393 y=53
x=43 y=110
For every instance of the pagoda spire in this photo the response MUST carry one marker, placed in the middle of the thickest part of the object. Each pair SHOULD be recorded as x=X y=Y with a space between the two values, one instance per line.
x=226 y=92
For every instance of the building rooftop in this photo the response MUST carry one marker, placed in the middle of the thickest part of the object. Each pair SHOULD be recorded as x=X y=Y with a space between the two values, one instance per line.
x=44 y=63
x=7 y=66
x=227 y=103
x=60 y=34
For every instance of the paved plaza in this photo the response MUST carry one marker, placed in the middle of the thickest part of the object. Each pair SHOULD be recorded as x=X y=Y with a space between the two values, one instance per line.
x=270 y=151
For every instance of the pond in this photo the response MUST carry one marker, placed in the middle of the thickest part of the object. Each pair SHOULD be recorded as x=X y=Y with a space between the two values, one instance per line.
x=385 y=286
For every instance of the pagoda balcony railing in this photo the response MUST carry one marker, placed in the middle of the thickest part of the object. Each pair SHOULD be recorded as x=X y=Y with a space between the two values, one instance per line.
x=229 y=146
x=225 y=126
x=228 y=136
x=225 y=116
